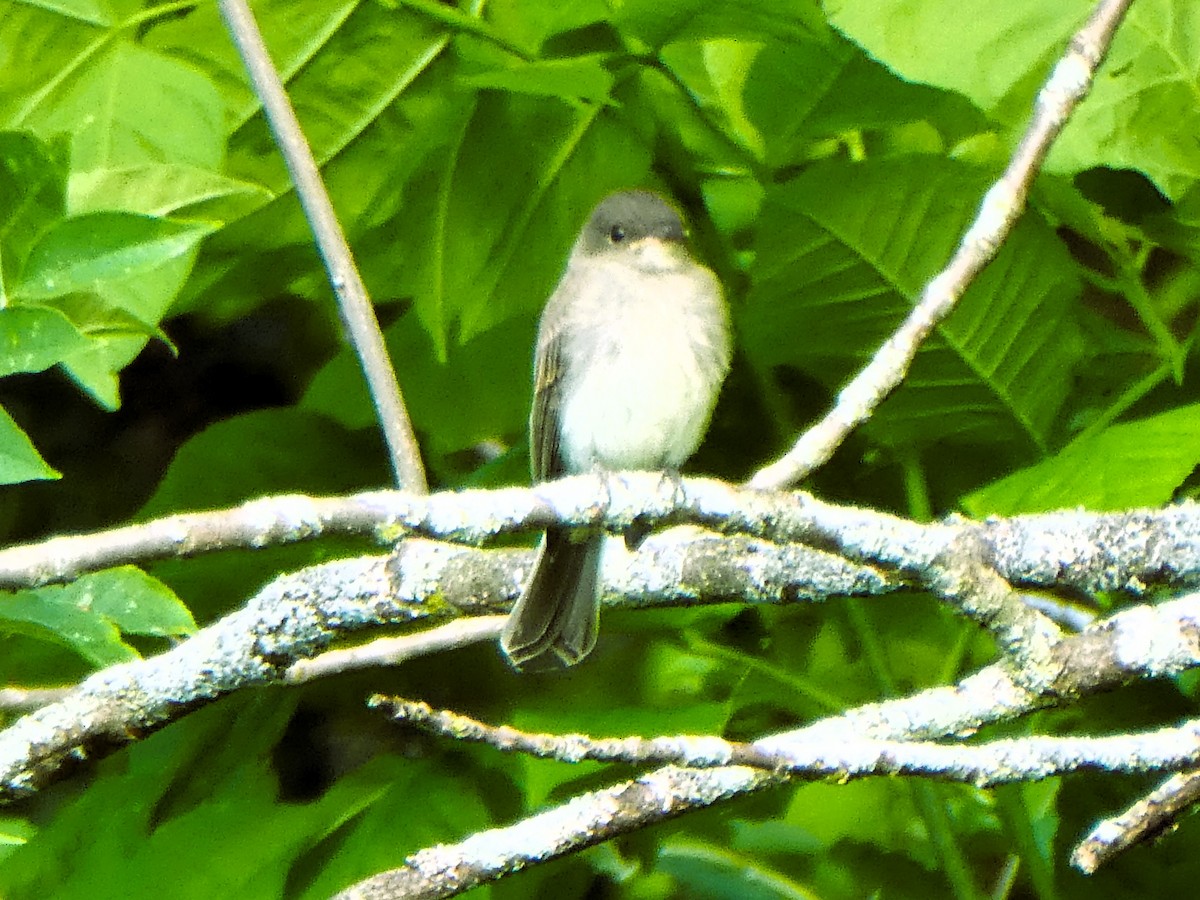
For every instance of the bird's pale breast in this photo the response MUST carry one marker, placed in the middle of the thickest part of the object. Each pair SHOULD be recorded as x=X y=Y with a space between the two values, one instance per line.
x=644 y=397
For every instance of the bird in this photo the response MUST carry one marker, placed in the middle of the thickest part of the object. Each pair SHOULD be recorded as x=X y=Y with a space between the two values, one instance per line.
x=632 y=348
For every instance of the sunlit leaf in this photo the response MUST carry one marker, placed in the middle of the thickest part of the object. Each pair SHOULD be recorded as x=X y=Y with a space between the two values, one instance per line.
x=1139 y=463
x=843 y=252
x=19 y=459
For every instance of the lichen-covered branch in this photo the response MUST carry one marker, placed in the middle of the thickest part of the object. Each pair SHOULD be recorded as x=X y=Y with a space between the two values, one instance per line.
x=1142 y=642
x=294 y=618
x=1146 y=819
x=985 y=764
x=1085 y=552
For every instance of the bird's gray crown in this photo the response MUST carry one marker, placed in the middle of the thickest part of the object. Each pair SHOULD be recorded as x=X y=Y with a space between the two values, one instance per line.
x=629 y=216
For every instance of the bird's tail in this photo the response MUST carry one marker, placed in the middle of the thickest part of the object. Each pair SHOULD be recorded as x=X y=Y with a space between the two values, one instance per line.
x=557 y=617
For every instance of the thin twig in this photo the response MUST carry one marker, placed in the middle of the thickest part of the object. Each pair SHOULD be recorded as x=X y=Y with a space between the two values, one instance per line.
x=986 y=764
x=358 y=316
x=1145 y=820
x=396 y=650
x=1001 y=207
x=685 y=750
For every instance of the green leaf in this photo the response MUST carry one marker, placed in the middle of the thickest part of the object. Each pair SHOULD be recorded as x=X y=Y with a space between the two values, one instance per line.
x=208 y=788
x=709 y=870
x=1138 y=463
x=876 y=811
x=343 y=63
x=133 y=601
x=1030 y=813
x=406 y=255
x=716 y=74
x=131 y=262
x=49 y=616
x=19 y=460
x=93 y=12
x=14 y=832
x=383 y=835
x=457 y=403
x=96 y=251
x=96 y=319
x=358 y=108
x=35 y=338
x=295 y=33
x=31 y=198
x=846 y=92
x=579 y=79
x=185 y=192
x=842 y=253
x=984 y=55
x=95 y=368
x=656 y=23
x=45 y=45
x=137 y=106
x=90 y=614
x=263 y=452
x=1141 y=113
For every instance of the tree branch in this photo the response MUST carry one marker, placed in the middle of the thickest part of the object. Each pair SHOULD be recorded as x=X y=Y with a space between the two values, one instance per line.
x=991 y=695
x=1087 y=552
x=585 y=821
x=986 y=764
x=358 y=316
x=393 y=651
x=298 y=615
x=1145 y=820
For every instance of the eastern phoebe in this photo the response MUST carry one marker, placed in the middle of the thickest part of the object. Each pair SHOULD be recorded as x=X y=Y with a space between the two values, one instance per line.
x=631 y=351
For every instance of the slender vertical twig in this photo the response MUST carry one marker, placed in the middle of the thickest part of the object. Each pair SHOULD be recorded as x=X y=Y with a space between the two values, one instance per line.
x=358 y=316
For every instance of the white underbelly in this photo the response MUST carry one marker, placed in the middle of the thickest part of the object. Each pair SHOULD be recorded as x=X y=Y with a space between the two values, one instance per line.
x=642 y=402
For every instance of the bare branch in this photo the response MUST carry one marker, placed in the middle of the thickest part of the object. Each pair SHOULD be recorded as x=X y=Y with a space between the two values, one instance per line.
x=265 y=522
x=991 y=695
x=393 y=651
x=999 y=211
x=687 y=750
x=296 y=617
x=1088 y=552
x=589 y=819
x=358 y=315
x=1145 y=820
x=613 y=502
x=987 y=764
x=964 y=575
x=18 y=698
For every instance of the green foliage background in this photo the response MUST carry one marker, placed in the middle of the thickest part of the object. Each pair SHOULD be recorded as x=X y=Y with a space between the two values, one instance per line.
x=168 y=342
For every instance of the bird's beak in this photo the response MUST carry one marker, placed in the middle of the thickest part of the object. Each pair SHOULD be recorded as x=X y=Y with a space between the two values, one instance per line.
x=657 y=255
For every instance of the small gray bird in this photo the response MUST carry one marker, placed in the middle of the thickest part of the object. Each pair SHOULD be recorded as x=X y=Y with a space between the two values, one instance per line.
x=631 y=351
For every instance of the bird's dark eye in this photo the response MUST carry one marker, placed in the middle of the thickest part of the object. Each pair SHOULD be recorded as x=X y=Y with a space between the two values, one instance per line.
x=616 y=234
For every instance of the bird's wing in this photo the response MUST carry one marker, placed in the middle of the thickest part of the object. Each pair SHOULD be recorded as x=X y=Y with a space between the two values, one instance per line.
x=544 y=446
